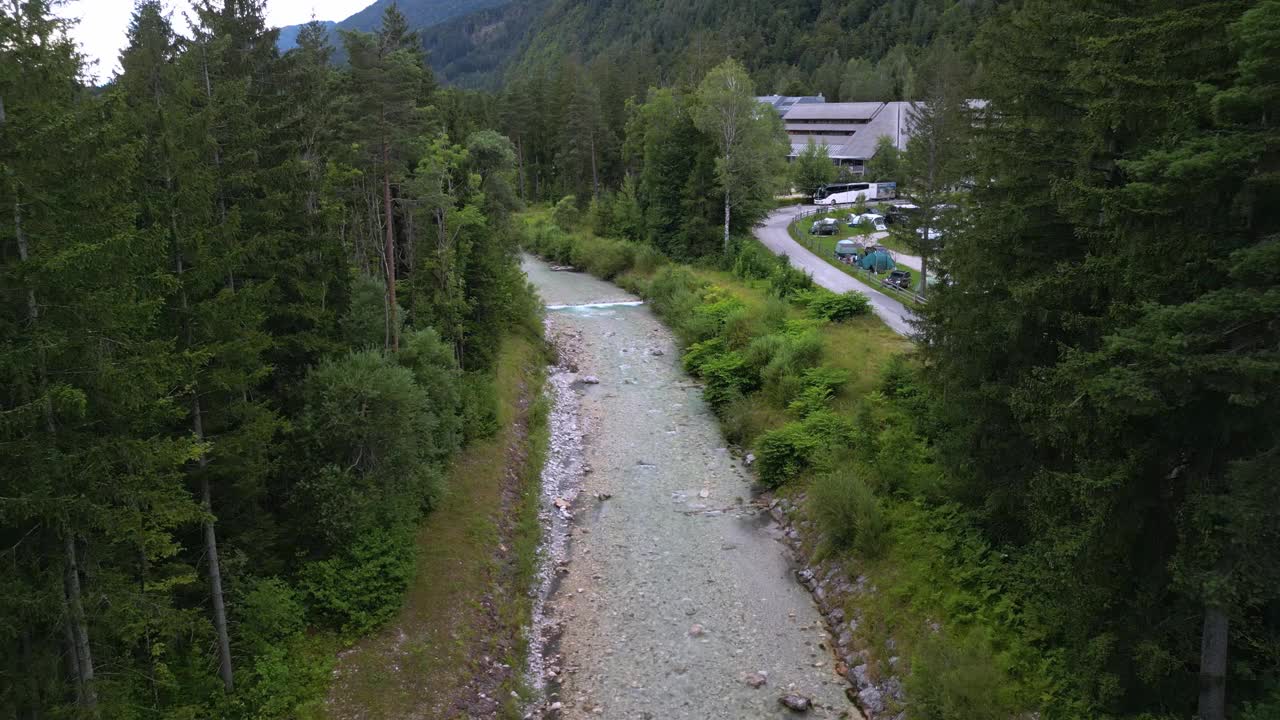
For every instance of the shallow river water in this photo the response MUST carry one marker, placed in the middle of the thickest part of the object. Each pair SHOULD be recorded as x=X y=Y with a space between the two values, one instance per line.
x=672 y=586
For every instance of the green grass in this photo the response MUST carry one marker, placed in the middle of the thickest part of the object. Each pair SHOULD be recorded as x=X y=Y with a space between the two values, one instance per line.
x=435 y=644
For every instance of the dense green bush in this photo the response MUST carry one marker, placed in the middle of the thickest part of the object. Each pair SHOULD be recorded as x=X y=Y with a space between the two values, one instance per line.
x=267 y=613
x=565 y=213
x=363 y=584
x=602 y=257
x=848 y=512
x=754 y=262
x=781 y=359
x=957 y=680
x=366 y=427
x=786 y=281
x=826 y=305
x=784 y=453
x=819 y=386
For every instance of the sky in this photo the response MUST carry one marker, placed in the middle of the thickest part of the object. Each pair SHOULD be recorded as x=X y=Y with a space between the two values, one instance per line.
x=102 y=26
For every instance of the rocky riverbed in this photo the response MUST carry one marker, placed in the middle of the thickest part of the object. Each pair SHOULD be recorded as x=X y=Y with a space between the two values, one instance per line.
x=668 y=589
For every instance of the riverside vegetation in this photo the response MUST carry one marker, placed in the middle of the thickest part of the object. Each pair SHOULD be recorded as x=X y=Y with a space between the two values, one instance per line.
x=241 y=288
x=253 y=309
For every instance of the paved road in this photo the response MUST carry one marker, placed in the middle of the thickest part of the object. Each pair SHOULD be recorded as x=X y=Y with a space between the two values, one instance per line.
x=773 y=233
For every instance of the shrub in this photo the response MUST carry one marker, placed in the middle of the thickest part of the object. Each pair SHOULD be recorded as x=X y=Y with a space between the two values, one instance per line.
x=479 y=406
x=726 y=379
x=268 y=612
x=954 y=680
x=363 y=585
x=786 y=281
x=848 y=512
x=565 y=213
x=740 y=326
x=288 y=680
x=601 y=257
x=673 y=294
x=820 y=385
x=780 y=359
x=754 y=262
x=647 y=259
x=827 y=305
x=784 y=453
x=701 y=353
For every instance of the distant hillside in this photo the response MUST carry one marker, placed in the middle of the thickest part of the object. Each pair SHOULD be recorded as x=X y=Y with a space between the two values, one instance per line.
x=790 y=46
x=421 y=14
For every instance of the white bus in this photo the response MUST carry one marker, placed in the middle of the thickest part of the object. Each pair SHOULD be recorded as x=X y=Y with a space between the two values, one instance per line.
x=845 y=193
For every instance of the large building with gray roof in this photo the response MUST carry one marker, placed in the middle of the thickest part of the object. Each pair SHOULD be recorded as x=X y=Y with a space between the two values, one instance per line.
x=849 y=131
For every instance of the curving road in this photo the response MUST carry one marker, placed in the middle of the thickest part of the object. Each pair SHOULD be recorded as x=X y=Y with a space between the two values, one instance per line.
x=773 y=233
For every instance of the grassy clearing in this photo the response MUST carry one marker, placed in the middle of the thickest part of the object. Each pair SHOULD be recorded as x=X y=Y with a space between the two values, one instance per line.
x=415 y=666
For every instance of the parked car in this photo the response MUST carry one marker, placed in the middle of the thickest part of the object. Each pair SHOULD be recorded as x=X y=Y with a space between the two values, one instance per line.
x=825 y=226
x=900 y=278
x=898 y=213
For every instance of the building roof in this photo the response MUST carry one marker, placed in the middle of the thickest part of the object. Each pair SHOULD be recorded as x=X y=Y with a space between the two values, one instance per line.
x=890 y=119
x=807 y=128
x=784 y=103
x=835 y=112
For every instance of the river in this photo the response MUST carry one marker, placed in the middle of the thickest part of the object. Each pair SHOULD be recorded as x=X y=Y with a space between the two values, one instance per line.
x=666 y=584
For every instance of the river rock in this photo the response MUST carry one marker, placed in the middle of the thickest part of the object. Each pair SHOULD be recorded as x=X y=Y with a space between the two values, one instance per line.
x=590 y=380
x=845 y=640
x=796 y=703
x=871 y=701
x=757 y=679
x=836 y=617
x=656 y=352
x=893 y=688
x=750 y=459
x=805 y=577
x=858 y=676
x=696 y=630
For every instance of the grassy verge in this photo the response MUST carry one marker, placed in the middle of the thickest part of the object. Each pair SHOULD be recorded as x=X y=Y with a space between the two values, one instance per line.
x=467 y=599
x=836 y=411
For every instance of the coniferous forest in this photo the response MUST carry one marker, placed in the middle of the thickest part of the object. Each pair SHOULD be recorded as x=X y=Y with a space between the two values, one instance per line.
x=252 y=301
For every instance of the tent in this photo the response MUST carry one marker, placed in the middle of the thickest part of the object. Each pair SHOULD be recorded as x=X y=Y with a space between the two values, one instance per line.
x=844 y=248
x=878 y=261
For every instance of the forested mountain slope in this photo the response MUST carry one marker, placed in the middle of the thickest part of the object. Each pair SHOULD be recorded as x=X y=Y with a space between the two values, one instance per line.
x=791 y=46
x=420 y=14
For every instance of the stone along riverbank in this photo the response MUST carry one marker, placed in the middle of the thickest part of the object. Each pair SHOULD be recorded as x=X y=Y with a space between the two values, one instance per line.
x=667 y=590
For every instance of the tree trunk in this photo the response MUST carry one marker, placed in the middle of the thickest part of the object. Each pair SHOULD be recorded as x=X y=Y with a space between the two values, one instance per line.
x=30 y=704
x=726 y=223
x=1213 y=664
x=211 y=550
x=595 y=176
x=88 y=694
x=520 y=164
x=389 y=250
x=69 y=639
x=924 y=275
